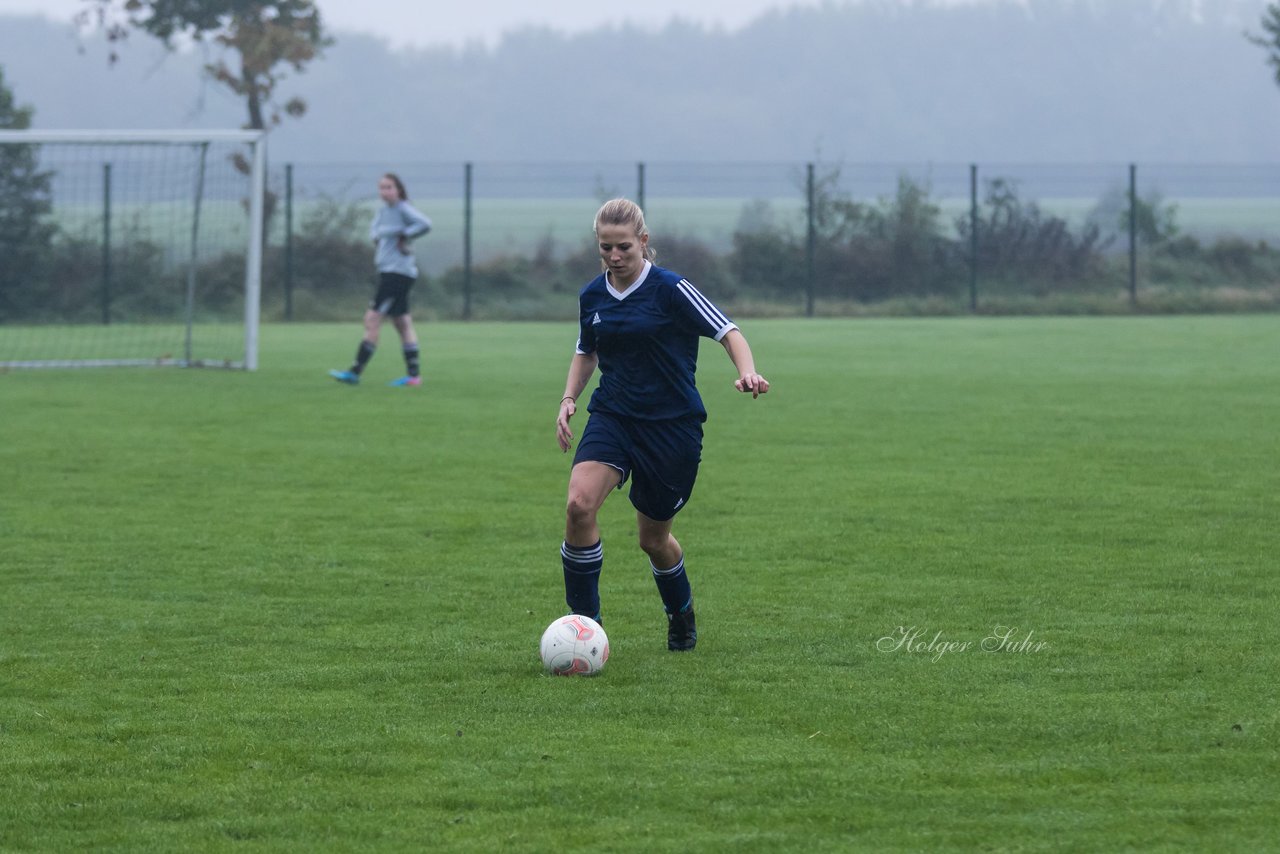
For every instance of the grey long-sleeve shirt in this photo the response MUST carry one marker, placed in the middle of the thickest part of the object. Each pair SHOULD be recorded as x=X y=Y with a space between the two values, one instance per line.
x=391 y=223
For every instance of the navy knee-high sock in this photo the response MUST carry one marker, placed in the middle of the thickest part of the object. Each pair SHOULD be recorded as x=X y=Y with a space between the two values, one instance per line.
x=363 y=354
x=582 y=578
x=673 y=586
x=411 y=355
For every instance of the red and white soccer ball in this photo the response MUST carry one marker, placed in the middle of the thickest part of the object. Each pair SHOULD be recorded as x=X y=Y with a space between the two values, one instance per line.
x=574 y=646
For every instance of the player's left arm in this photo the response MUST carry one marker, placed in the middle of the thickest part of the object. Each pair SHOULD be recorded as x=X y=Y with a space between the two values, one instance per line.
x=735 y=344
x=416 y=223
x=702 y=316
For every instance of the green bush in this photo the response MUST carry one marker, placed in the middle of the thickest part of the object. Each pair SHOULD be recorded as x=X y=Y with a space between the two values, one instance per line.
x=1227 y=262
x=26 y=233
x=326 y=257
x=1023 y=249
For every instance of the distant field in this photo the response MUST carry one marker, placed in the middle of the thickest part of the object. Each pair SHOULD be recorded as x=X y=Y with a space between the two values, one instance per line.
x=267 y=610
x=518 y=226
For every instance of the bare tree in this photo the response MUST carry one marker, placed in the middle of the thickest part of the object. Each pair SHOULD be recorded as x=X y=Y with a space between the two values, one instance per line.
x=262 y=41
x=1271 y=41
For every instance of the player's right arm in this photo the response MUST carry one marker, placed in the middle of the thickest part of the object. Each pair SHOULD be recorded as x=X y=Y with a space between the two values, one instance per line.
x=580 y=371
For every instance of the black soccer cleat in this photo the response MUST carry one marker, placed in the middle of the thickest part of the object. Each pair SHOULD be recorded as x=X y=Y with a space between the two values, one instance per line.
x=682 y=631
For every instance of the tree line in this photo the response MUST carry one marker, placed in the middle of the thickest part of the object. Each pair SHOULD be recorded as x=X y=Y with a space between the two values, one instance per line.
x=985 y=82
x=899 y=247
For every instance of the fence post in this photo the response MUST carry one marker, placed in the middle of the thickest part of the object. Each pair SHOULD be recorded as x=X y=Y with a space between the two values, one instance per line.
x=194 y=261
x=466 y=244
x=640 y=185
x=288 y=241
x=106 y=244
x=1133 y=234
x=810 y=239
x=973 y=238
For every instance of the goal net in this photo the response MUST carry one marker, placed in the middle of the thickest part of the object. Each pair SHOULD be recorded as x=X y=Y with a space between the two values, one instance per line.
x=130 y=248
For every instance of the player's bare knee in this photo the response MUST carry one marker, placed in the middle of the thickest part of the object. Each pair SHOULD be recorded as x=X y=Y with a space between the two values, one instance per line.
x=580 y=510
x=655 y=543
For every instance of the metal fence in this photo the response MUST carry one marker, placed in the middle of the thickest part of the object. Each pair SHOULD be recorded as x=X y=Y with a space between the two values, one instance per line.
x=1139 y=232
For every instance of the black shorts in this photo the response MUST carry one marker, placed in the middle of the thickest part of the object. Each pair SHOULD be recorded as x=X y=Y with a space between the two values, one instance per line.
x=393 y=294
x=660 y=457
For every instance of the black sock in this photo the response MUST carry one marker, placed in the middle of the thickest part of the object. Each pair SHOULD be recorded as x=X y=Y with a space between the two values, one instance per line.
x=363 y=355
x=411 y=359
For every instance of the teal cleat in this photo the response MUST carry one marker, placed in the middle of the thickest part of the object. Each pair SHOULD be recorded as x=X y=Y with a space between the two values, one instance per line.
x=347 y=377
x=407 y=381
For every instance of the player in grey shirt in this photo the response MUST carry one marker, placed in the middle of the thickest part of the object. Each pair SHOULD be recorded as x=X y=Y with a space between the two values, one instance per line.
x=396 y=223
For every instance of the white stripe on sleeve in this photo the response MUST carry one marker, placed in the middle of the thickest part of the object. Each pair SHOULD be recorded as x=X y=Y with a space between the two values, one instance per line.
x=712 y=315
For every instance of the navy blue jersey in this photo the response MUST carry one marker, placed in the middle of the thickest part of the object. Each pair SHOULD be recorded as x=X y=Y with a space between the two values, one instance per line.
x=647 y=340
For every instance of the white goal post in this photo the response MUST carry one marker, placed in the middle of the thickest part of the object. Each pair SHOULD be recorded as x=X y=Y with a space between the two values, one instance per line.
x=124 y=247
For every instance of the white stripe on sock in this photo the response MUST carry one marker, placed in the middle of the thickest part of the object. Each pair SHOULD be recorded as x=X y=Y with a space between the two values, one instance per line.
x=582 y=555
x=675 y=570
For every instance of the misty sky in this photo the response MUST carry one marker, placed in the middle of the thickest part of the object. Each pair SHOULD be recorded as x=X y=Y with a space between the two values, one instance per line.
x=403 y=22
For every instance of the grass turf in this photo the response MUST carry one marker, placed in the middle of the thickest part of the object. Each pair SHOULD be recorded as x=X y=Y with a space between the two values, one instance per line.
x=268 y=609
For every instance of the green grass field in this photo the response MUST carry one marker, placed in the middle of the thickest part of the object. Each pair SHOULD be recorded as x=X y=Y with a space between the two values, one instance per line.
x=268 y=612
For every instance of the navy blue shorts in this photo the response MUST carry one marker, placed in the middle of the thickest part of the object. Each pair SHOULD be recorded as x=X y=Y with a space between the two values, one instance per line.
x=392 y=297
x=660 y=457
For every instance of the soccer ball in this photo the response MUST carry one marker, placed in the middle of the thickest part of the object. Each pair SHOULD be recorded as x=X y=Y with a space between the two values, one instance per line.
x=574 y=645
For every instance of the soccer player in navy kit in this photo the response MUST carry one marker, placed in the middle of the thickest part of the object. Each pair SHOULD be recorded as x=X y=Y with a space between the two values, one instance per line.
x=394 y=225
x=640 y=324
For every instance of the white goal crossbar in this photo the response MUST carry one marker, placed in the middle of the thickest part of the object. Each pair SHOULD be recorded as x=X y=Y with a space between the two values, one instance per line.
x=256 y=140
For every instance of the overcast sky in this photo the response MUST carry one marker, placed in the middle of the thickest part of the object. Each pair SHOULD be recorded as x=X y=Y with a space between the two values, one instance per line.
x=404 y=22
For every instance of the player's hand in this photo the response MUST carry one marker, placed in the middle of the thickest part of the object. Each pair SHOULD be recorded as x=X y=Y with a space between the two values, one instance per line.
x=402 y=243
x=753 y=383
x=563 y=434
